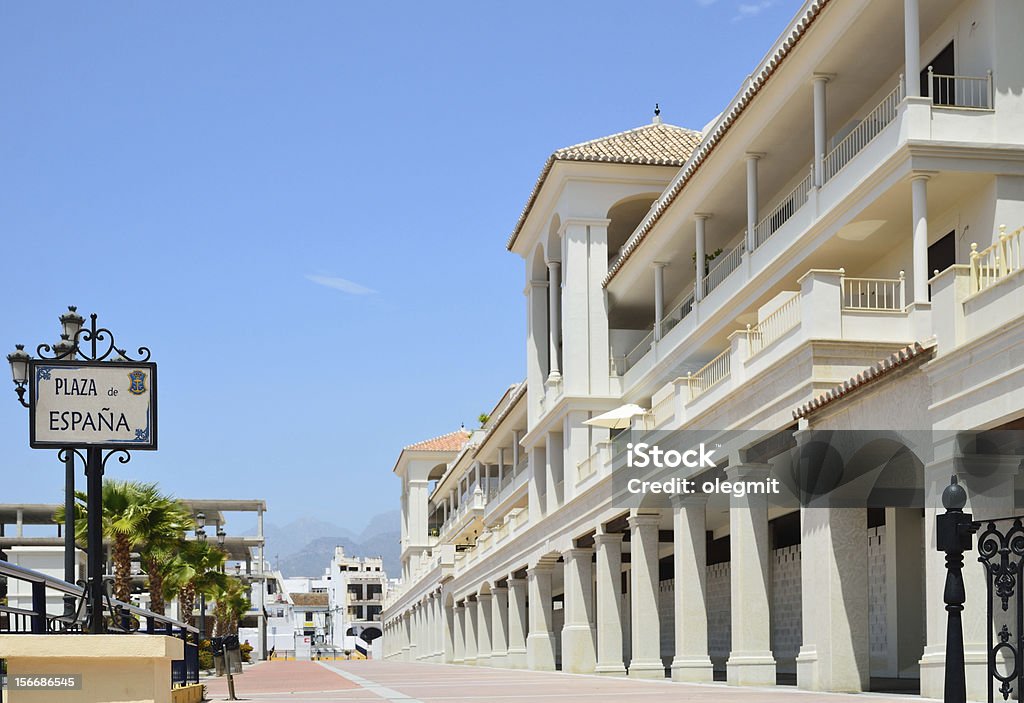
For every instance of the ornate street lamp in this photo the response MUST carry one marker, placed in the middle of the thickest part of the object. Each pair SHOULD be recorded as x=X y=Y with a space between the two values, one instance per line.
x=221 y=534
x=71 y=322
x=200 y=520
x=18 y=359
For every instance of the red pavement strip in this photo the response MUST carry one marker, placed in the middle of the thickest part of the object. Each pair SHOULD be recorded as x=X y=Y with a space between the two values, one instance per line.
x=280 y=677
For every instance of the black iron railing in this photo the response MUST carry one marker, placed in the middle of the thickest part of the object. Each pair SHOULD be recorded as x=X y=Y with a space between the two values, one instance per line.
x=59 y=607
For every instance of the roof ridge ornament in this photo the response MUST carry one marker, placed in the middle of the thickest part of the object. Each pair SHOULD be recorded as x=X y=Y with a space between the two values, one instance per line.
x=657 y=114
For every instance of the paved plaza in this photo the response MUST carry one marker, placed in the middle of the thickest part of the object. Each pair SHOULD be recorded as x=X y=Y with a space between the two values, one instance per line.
x=293 y=681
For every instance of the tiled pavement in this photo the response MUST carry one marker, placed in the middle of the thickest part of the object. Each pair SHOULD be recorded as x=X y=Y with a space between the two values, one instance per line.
x=295 y=682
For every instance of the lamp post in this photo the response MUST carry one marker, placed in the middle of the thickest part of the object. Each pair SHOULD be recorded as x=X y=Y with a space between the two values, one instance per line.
x=201 y=535
x=953 y=530
x=82 y=349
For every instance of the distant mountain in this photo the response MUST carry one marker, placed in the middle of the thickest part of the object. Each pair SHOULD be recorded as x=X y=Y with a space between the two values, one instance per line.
x=305 y=547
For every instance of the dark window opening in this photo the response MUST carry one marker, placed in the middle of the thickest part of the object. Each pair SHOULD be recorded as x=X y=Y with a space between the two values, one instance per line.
x=942 y=91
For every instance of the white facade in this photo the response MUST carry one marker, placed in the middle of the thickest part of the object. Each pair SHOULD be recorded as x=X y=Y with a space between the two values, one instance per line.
x=847 y=218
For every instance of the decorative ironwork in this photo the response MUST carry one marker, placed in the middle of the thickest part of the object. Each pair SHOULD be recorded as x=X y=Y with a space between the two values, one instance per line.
x=93 y=336
x=1001 y=552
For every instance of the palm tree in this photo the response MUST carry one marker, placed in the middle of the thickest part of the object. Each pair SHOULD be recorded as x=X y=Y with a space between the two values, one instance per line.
x=132 y=510
x=232 y=602
x=162 y=533
x=194 y=569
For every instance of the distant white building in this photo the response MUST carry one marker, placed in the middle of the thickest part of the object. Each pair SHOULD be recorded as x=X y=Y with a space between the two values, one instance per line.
x=356 y=589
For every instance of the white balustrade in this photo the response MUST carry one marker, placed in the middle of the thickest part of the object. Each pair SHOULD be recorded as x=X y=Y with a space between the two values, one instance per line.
x=709 y=375
x=774 y=326
x=866 y=130
x=960 y=91
x=874 y=293
x=793 y=201
x=724 y=264
x=637 y=352
x=994 y=263
x=674 y=316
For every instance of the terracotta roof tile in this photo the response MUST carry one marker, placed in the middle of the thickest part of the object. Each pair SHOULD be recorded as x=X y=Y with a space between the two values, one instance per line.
x=896 y=360
x=451 y=442
x=310 y=599
x=655 y=144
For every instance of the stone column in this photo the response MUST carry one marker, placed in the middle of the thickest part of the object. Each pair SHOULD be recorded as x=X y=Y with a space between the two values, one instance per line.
x=609 y=604
x=483 y=629
x=449 y=635
x=471 y=637
x=459 y=623
x=752 y=200
x=554 y=321
x=536 y=347
x=834 y=654
x=578 y=646
x=410 y=634
x=517 y=623
x=750 y=660
x=646 y=625
x=820 y=128
x=540 y=643
x=701 y=254
x=499 y=626
x=659 y=297
x=912 y=47
x=919 y=207
x=689 y=537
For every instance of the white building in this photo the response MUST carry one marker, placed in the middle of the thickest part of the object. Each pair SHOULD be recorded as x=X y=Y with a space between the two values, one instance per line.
x=356 y=592
x=848 y=202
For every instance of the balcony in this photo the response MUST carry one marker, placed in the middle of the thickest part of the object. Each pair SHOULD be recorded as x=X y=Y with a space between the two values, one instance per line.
x=828 y=306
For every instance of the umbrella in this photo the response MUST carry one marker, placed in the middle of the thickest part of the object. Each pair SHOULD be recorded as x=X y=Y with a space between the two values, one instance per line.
x=617 y=419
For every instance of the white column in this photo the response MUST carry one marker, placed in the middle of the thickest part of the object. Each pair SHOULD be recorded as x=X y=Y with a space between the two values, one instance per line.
x=471 y=623
x=659 y=297
x=439 y=629
x=919 y=206
x=483 y=629
x=412 y=634
x=646 y=624
x=750 y=660
x=448 y=656
x=515 y=448
x=537 y=347
x=554 y=321
x=609 y=603
x=578 y=647
x=517 y=623
x=689 y=537
x=752 y=160
x=834 y=654
x=701 y=253
x=501 y=464
x=820 y=127
x=912 y=47
x=459 y=630
x=499 y=626
x=540 y=643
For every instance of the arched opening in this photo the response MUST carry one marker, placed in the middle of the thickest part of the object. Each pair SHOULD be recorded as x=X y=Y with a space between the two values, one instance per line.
x=625 y=216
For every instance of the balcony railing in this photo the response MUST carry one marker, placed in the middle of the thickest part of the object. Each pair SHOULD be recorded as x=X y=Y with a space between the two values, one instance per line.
x=960 y=91
x=676 y=314
x=723 y=266
x=994 y=263
x=637 y=352
x=774 y=326
x=876 y=294
x=866 y=130
x=784 y=210
x=709 y=375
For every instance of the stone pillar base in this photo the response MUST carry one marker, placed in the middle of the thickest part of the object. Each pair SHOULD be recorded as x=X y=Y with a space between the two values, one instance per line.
x=610 y=669
x=933 y=672
x=499 y=659
x=112 y=667
x=484 y=661
x=516 y=659
x=750 y=669
x=578 y=655
x=469 y=661
x=693 y=669
x=646 y=670
x=540 y=652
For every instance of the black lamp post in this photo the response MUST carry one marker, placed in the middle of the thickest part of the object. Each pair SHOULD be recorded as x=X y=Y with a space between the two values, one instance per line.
x=201 y=535
x=953 y=530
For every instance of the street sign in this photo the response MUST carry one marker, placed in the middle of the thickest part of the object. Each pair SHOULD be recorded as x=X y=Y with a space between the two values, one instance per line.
x=108 y=404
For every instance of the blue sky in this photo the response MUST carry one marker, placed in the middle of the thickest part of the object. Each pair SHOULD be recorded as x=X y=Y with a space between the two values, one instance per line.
x=301 y=208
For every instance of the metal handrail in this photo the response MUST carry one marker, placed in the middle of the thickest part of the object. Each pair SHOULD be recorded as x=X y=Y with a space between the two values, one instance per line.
x=787 y=207
x=866 y=130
